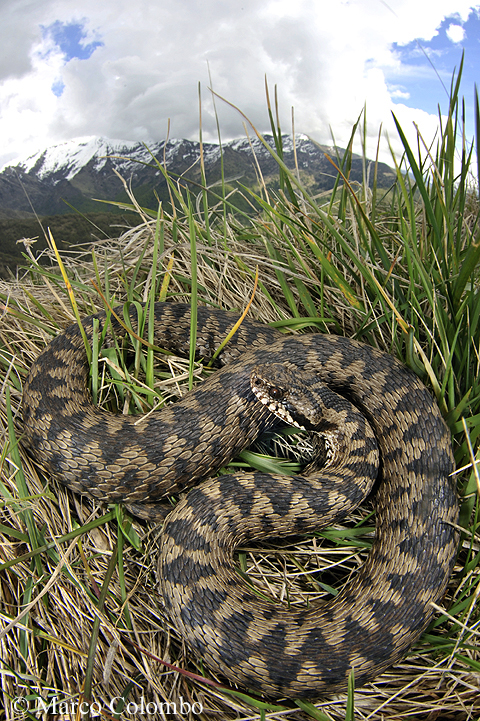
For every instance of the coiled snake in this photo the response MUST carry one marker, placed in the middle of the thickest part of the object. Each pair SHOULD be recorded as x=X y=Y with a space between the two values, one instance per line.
x=372 y=622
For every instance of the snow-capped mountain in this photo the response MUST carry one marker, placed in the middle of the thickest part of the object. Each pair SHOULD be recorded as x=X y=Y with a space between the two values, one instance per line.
x=70 y=157
x=77 y=171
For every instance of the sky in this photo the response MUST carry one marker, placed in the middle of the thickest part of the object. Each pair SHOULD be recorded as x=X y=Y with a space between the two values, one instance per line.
x=136 y=70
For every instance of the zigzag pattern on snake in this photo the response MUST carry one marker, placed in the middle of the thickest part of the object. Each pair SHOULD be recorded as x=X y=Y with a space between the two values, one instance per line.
x=373 y=621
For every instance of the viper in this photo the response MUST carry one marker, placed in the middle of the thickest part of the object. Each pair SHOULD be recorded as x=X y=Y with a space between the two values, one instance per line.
x=353 y=394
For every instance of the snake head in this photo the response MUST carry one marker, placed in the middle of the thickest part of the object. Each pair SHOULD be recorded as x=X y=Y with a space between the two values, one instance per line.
x=285 y=393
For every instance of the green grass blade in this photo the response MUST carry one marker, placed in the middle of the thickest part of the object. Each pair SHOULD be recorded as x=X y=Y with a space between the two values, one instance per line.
x=194 y=292
x=34 y=535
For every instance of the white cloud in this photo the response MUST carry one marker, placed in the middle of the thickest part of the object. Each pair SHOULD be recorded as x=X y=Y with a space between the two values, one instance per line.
x=455 y=33
x=327 y=59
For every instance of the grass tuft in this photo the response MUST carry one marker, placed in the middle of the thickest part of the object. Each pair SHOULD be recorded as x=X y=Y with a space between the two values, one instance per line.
x=397 y=268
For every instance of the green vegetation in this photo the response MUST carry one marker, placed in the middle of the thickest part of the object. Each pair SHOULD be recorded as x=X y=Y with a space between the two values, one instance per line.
x=69 y=230
x=398 y=270
x=92 y=191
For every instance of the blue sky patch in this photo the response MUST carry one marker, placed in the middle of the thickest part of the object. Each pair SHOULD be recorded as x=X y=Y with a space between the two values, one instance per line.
x=427 y=65
x=70 y=38
x=58 y=87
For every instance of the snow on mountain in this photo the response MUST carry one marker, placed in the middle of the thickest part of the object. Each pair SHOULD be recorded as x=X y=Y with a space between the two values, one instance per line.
x=255 y=144
x=78 y=173
x=70 y=157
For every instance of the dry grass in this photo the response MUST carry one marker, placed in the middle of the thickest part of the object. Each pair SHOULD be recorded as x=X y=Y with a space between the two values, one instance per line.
x=62 y=550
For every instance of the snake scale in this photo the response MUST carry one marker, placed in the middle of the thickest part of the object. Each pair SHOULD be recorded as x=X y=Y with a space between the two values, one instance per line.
x=261 y=645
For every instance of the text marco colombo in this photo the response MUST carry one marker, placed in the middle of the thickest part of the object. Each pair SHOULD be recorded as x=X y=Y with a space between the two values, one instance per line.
x=56 y=705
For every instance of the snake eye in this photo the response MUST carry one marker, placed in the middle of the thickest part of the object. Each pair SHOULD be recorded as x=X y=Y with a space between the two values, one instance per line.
x=275 y=393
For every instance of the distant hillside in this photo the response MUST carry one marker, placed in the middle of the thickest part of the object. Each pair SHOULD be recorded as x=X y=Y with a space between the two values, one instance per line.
x=80 y=172
x=66 y=229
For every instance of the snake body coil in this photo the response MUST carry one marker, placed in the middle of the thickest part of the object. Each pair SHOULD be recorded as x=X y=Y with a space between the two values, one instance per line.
x=372 y=622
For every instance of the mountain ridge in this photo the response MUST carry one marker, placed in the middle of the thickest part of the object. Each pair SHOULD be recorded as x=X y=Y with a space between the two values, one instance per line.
x=75 y=172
